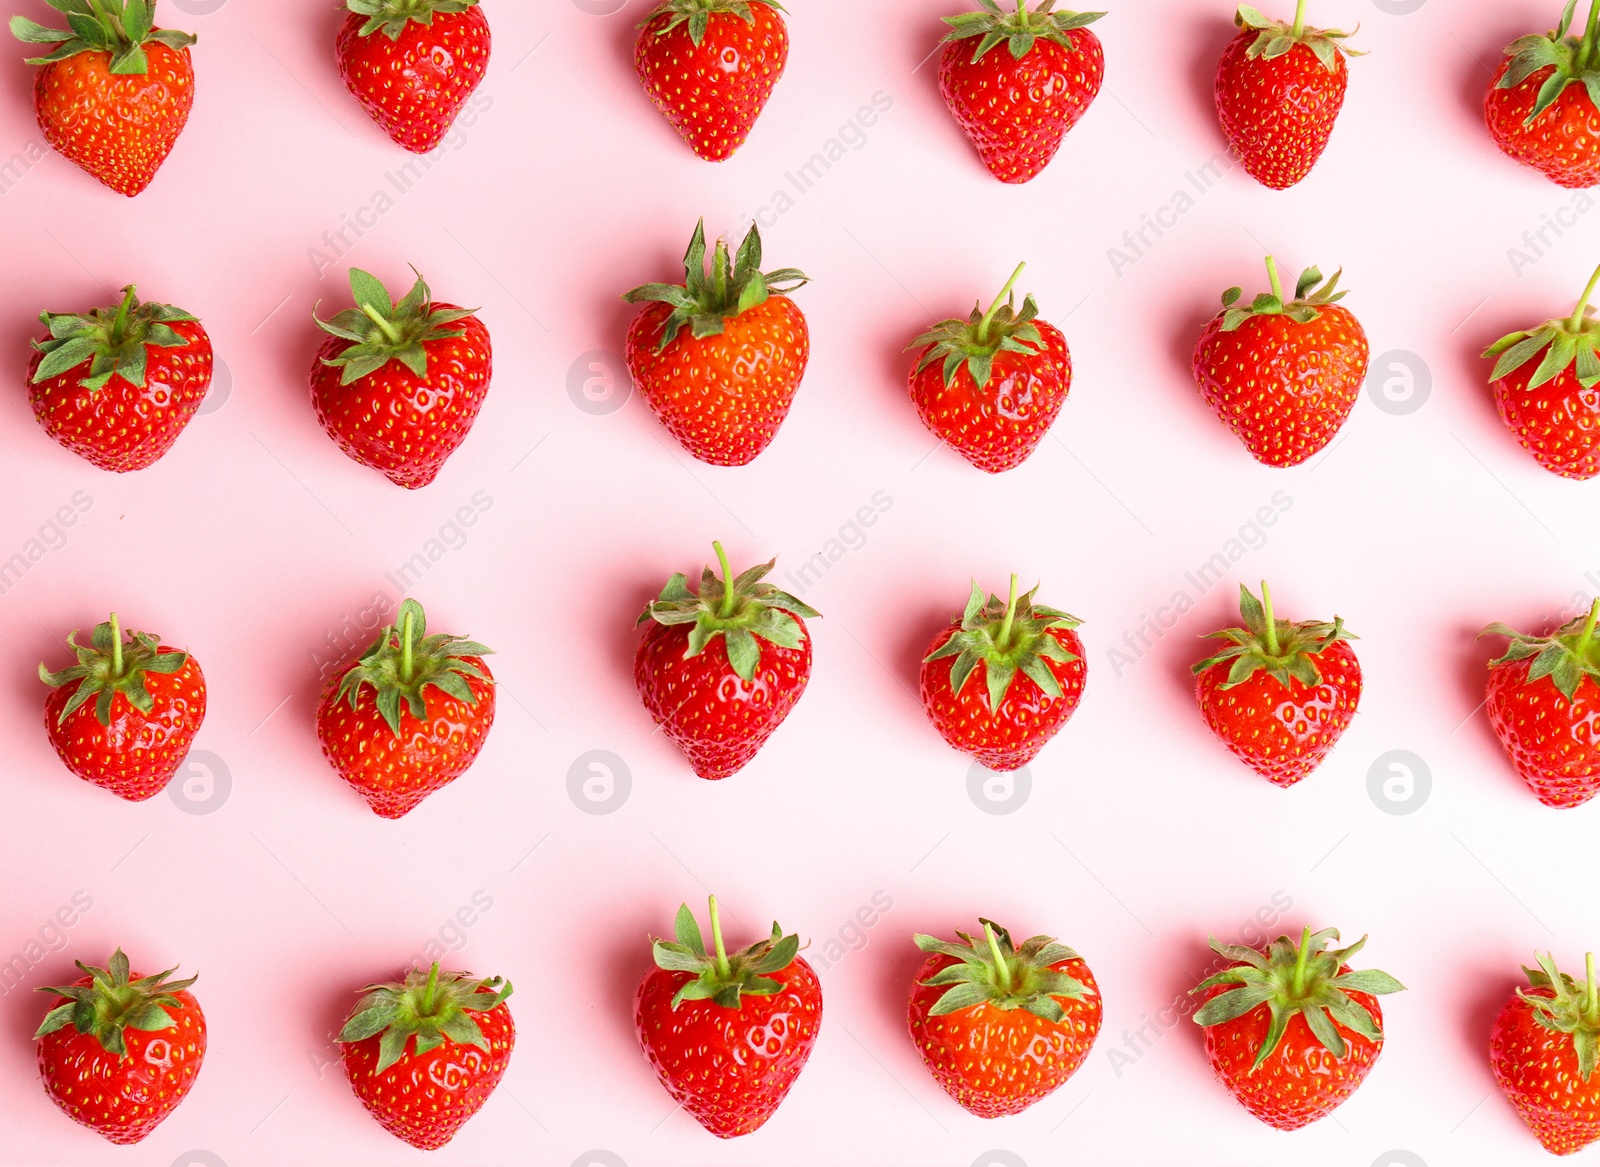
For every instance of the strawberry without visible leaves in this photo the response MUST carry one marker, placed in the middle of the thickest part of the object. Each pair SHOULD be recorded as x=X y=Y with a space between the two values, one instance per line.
x=124 y=716
x=398 y=386
x=720 y=669
x=724 y=386
x=1543 y=1048
x=118 y=1052
x=424 y=1054
x=412 y=64
x=1280 y=87
x=992 y=385
x=1543 y=106
x=391 y=738
x=1024 y=84
x=727 y=1033
x=1283 y=375
x=1281 y=694
x=114 y=92
x=116 y=386
x=710 y=66
x=1001 y=681
x=1001 y=1027
x=1292 y=1031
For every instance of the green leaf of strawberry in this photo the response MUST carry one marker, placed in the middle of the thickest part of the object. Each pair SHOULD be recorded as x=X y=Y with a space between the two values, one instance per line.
x=381 y=330
x=1302 y=309
x=994 y=971
x=1276 y=38
x=1566 y=656
x=1570 y=1009
x=429 y=1007
x=119 y=27
x=391 y=16
x=697 y=15
x=1007 y=637
x=404 y=662
x=114 y=340
x=1573 y=60
x=1277 y=647
x=112 y=1003
x=719 y=976
x=110 y=665
x=977 y=340
x=1559 y=344
x=1019 y=30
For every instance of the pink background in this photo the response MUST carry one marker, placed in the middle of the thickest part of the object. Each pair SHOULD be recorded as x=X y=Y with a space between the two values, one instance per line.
x=254 y=541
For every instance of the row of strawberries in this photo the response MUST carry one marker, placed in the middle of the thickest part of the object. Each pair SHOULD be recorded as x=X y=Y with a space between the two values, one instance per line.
x=1290 y=1029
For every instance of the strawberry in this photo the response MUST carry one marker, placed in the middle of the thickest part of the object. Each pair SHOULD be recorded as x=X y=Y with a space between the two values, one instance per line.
x=115 y=92
x=720 y=669
x=1543 y=1052
x=148 y=703
x=1283 y=376
x=1280 y=87
x=398 y=386
x=710 y=66
x=392 y=740
x=1016 y=106
x=424 y=1054
x=412 y=64
x=1543 y=106
x=992 y=385
x=118 y=385
x=1002 y=1027
x=118 y=1051
x=1029 y=685
x=1280 y=694
x=727 y=1033
x=1544 y=699
x=1291 y=1031
x=724 y=387
x=1551 y=404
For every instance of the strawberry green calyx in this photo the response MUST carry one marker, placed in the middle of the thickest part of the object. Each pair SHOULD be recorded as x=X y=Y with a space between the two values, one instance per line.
x=1276 y=38
x=720 y=976
x=697 y=14
x=1006 y=637
x=993 y=971
x=734 y=285
x=741 y=613
x=1265 y=643
x=111 y=1004
x=114 y=340
x=429 y=1006
x=1564 y=341
x=1566 y=656
x=381 y=331
x=392 y=16
x=1576 y=60
x=109 y=665
x=1295 y=978
x=403 y=662
x=119 y=27
x=1571 y=1008
x=1303 y=309
x=977 y=340
x=1020 y=29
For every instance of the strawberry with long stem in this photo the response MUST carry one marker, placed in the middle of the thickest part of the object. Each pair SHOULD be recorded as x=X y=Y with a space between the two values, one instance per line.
x=1543 y=105
x=1543 y=1050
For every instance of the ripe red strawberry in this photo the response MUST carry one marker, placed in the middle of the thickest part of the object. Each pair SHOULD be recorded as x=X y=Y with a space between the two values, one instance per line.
x=398 y=386
x=1292 y=1031
x=412 y=64
x=720 y=669
x=119 y=1051
x=1280 y=87
x=115 y=92
x=1552 y=405
x=710 y=65
x=1541 y=106
x=727 y=1033
x=424 y=1054
x=148 y=703
x=1543 y=1052
x=1016 y=106
x=1283 y=375
x=1001 y=681
x=992 y=385
x=1280 y=694
x=1544 y=698
x=723 y=387
x=1002 y=1027
x=118 y=385
x=391 y=739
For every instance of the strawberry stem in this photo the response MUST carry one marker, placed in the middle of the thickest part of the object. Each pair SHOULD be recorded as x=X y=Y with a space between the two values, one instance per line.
x=1594 y=281
x=1586 y=47
x=723 y=969
x=427 y=992
x=1022 y=12
x=1299 y=20
x=1299 y=985
x=725 y=610
x=1005 y=292
x=1588 y=627
x=116 y=648
x=390 y=332
x=1591 y=997
x=1001 y=964
x=719 y=272
x=407 y=622
x=1272 y=274
x=1003 y=641
x=119 y=327
x=1272 y=622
